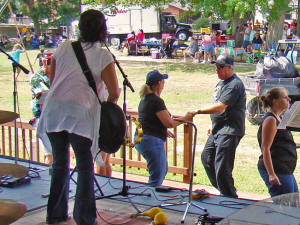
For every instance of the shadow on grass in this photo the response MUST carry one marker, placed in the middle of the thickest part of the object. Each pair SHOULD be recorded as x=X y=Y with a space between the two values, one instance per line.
x=192 y=67
x=207 y=68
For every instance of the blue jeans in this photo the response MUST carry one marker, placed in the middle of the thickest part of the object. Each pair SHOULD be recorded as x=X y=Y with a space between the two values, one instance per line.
x=153 y=151
x=218 y=161
x=85 y=207
x=288 y=183
x=245 y=44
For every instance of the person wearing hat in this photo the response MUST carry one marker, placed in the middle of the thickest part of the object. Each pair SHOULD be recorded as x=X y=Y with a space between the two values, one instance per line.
x=155 y=121
x=227 y=114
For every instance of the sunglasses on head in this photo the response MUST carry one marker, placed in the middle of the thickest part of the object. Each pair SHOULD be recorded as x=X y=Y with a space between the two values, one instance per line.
x=220 y=66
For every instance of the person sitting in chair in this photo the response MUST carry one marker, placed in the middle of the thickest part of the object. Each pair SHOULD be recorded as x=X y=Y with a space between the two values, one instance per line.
x=168 y=48
x=257 y=40
x=191 y=50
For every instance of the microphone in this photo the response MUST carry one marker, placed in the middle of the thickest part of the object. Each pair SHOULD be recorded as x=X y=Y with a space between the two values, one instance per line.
x=14 y=61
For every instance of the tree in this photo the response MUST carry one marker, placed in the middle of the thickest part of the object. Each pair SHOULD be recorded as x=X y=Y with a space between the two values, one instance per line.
x=298 y=19
x=5 y=14
x=50 y=12
x=64 y=12
x=37 y=10
x=275 y=10
x=237 y=11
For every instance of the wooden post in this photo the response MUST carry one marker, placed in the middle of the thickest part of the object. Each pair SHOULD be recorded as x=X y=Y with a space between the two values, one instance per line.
x=187 y=151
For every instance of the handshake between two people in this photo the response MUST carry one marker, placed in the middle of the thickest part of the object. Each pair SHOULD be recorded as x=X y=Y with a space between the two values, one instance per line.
x=188 y=117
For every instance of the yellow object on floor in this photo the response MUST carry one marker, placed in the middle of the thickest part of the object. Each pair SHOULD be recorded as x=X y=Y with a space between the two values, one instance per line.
x=150 y=213
x=160 y=219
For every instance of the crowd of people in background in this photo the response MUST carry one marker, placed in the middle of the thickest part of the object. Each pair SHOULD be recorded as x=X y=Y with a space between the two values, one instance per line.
x=32 y=40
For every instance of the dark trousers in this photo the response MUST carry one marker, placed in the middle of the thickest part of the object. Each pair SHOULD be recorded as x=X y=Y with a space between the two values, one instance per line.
x=218 y=161
x=85 y=207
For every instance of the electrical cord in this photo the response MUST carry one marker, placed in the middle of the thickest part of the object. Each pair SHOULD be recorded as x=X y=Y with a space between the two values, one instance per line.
x=228 y=204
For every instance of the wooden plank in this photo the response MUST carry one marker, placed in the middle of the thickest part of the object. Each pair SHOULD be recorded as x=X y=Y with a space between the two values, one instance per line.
x=175 y=148
x=24 y=152
x=3 y=140
x=26 y=126
x=143 y=165
x=17 y=149
x=30 y=145
x=130 y=137
x=187 y=152
x=9 y=141
x=37 y=149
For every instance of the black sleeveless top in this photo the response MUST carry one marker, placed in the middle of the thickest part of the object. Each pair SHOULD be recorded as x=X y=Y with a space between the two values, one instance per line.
x=283 y=150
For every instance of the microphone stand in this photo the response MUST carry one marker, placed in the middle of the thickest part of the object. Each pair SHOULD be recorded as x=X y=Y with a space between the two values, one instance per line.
x=125 y=188
x=189 y=202
x=15 y=65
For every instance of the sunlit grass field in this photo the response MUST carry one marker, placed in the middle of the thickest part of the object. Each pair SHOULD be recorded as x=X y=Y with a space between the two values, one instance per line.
x=188 y=88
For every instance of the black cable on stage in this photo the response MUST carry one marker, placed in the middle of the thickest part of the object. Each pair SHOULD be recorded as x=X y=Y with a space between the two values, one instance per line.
x=228 y=204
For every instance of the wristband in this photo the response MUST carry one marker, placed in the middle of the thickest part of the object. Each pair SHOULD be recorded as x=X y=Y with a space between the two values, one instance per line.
x=199 y=111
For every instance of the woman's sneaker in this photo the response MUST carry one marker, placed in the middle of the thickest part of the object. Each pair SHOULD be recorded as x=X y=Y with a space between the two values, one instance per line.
x=195 y=61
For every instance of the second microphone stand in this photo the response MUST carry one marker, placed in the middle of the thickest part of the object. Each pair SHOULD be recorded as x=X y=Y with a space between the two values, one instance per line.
x=26 y=71
x=125 y=189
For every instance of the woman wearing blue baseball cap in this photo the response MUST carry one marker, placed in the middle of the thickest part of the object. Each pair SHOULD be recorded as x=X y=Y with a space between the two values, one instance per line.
x=155 y=119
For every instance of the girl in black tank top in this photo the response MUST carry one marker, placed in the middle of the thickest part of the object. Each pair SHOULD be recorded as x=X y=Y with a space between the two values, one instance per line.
x=279 y=157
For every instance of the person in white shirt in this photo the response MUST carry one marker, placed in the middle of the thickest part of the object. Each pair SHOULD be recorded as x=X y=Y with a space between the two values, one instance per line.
x=209 y=49
x=71 y=116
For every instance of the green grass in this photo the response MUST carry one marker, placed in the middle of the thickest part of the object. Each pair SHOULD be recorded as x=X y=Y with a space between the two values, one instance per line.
x=188 y=88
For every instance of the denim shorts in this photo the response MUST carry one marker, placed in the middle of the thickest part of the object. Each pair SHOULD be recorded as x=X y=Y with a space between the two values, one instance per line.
x=209 y=48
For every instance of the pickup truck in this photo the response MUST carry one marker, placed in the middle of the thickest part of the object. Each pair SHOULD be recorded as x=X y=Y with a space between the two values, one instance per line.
x=257 y=87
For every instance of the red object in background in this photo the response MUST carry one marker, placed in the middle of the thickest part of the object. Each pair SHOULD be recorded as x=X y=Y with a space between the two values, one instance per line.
x=166 y=35
x=140 y=36
x=222 y=37
x=230 y=37
x=218 y=40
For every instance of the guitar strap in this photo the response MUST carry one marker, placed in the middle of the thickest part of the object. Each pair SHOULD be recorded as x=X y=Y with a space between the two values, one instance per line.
x=84 y=66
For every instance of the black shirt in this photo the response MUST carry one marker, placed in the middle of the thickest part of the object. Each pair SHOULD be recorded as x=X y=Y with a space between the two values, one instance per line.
x=148 y=107
x=230 y=92
x=283 y=150
x=257 y=41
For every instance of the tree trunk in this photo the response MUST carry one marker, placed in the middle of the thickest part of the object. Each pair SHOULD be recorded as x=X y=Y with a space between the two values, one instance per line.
x=237 y=27
x=37 y=26
x=298 y=19
x=275 y=29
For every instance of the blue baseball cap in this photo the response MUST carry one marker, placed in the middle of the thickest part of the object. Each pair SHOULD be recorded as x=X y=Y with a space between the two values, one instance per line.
x=154 y=76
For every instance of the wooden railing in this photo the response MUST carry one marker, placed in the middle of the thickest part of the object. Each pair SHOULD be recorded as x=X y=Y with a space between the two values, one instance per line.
x=28 y=146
